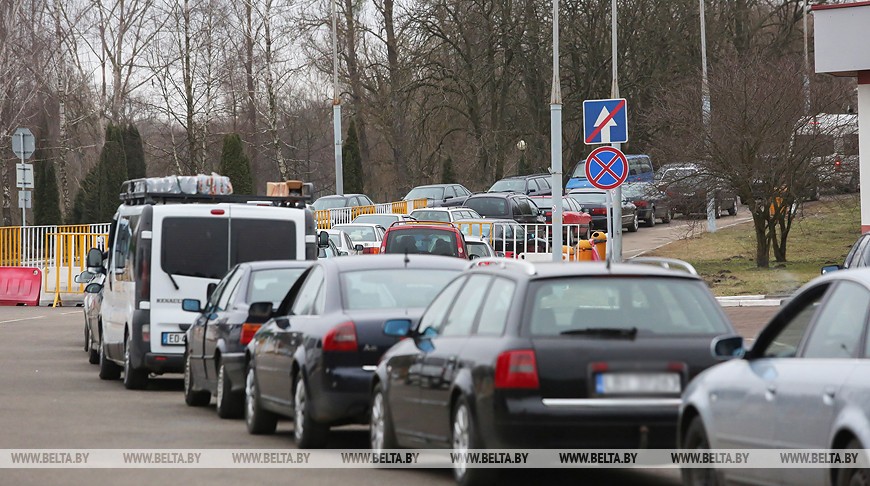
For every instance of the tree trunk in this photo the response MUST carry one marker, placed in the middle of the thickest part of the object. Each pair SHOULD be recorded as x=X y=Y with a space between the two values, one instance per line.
x=762 y=239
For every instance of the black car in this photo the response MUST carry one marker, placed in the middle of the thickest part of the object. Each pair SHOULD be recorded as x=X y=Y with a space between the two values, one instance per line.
x=440 y=195
x=315 y=359
x=858 y=256
x=342 y=201
x=216 y=342
x=551 y=356
x=651 y=203
x=594 y=201
x=530 y=185
x=689 y=188
x=517 y=207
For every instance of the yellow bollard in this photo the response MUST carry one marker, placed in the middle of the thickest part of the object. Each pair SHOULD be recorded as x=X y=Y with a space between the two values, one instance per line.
x=600 y=239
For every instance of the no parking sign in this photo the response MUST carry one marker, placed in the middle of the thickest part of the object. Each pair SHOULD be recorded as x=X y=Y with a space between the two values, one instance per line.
x=606 y=168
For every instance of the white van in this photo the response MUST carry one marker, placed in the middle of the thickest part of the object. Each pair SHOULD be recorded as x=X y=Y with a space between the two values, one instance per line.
x=164 y=248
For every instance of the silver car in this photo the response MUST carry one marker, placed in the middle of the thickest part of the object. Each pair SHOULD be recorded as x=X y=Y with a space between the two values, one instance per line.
x=805 y=383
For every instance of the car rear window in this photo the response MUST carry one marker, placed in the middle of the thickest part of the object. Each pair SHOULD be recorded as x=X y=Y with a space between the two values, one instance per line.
x=431 y=216
x=652 y=305
x=477 y=248
x=197 y=247
x=392 y=288
x=384 y=220
x=589 y=197
x=488 y=206
x=509 y=185
x=272 y=285
x=359 y=233
x=423 y=240
x=330 y=203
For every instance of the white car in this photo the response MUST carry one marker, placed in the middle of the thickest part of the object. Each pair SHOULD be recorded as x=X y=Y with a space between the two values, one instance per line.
x=384 y=220
x=366 y=237
x=478 y=248
x=444 y=215
x=342 y=242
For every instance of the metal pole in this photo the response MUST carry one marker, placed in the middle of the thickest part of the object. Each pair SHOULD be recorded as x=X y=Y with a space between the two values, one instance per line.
x=23 y=176
x=615 y=239
x=556 y=141
x=807 y=103
x=336 y=105
x=705 y=111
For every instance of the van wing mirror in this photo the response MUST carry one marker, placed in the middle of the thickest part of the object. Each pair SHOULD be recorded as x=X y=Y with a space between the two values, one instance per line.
x=322 y=239
x=95 y=258
x=209 y=290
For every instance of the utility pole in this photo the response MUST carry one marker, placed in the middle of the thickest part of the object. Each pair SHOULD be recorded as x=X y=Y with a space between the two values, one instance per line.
x=336 y=105
x=556 y=141
x=705 y=112
x=615 y=240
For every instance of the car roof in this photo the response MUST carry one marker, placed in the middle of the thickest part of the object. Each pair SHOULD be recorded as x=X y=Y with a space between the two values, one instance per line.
x=502 y=195
x=270 y=264
x=527 y=176
x=486 y=220
x=555 y=270
x=446 y=210
x=587 y=190
x=436 y=225
x=392 y=261
x=436 y=185
x=341 y=225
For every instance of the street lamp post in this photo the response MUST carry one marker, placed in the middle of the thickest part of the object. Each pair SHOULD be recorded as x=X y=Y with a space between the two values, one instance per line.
x=521 y=166
x=705 y=111
x=556 y=141
x=615 y=240
x=336 y=104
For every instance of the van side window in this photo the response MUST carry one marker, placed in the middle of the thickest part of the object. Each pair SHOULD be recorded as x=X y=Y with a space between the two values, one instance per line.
x=122 y=244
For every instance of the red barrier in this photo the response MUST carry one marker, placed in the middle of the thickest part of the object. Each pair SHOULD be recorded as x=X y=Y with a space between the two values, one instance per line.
x=20 y=285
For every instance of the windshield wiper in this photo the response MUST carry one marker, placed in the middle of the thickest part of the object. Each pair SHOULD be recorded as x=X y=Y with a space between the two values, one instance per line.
x=173 y=281
x=629 y=332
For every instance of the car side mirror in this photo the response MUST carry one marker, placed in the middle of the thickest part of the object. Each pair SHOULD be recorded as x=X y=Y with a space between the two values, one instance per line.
x=727 y=347
x=831 y=268
x=499 y=254
x=322 y=239
x=359 y=247
x=282 y=322
x=397 y=327
x=83 y=277
x=191 y=305
x=209 y=290
x=259 y=312
x=94 y=288
x=342 y=253
x=94 y=258
x=472 y=256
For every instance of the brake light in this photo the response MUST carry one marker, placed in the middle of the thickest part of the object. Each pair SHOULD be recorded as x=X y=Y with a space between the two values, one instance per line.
x=516 y=369
x=598 y=367
x=217 y=212
x=677 y=366
x=548 y=214
x=509 y=254
x=248 y=331
x=341 y=338
x=640 y=204
x=599 y=211
x=146 y=333
x=371 y=250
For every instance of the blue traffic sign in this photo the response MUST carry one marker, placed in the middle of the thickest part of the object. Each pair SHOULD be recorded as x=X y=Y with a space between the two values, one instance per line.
x=605 y=121
x=606 y=168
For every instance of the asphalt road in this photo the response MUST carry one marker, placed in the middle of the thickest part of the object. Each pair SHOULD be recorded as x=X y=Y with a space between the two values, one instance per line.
x=52 y=398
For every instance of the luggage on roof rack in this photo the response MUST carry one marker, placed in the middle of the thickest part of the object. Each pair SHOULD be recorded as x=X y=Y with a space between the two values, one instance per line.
x=203 y=188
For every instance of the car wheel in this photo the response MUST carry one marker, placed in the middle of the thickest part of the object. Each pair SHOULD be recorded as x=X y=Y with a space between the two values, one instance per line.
x=108 y=369
x=381 y=433
x=696 y=438
x=632 y=228
x=856 y=476
x=87 y=336
x=229 y=404
x=463 y=438
x=651 y=221
x=257 y=420
x=732 y=211
x=308 y=433
x=192 y=396
x=133 y=379
x=669 y=215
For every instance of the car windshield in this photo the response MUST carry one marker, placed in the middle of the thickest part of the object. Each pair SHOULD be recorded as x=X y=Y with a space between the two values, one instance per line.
x=477 y=248
x=509 y=185
x=425 y=215
x=651 y=305
x=488 y=206
x=423 y=240
x=358 y=232
x=636 y=190
x=392 y=288
x=436 y=193
x=330 y=203
x=579 y=171
x=272 y=285
x=589 y=197
x=384 y=220
x=672 y=175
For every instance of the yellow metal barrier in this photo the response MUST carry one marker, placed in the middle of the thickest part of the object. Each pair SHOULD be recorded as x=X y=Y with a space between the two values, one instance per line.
x=10 y=246
x=69 y=259
x=325 y=218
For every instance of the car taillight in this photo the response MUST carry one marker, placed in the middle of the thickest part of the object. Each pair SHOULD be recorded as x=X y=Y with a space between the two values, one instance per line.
x=599 y=211
x=248 y=331
x=143 y=271
x=640 y=204
x=341 y=338
x=509 y=254
x=516 y=369
x=371 y=250
x=146 y=333
x=548 y=214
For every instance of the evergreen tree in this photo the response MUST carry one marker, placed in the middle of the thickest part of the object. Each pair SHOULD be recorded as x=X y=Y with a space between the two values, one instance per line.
x=134 y=152
x=447 y=174
x=352 y=163
x=236 y=166
x=46 y=198
x=111 y=172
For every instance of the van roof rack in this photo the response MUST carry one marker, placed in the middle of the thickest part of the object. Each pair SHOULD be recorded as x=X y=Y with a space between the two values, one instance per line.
x=134 y=193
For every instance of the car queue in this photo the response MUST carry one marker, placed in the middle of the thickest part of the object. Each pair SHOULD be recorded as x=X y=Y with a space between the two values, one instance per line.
x=434 y=348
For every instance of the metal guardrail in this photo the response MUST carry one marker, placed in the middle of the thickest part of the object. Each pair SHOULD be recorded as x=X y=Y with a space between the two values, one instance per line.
x=327 y=218
x=541 y=241
x=29 y=246
x=69 y=259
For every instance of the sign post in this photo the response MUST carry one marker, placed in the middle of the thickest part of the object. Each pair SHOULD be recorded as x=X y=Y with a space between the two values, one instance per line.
x=606 y=122
x=607 y=169
x=23 y=144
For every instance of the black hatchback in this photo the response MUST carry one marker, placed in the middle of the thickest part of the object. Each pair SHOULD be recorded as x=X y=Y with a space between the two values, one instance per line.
x=514 y=355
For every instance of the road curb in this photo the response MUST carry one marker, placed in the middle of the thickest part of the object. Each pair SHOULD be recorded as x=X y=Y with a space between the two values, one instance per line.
x=749 y=301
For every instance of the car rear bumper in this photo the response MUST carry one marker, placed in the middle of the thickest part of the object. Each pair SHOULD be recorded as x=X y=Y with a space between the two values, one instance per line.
x=645 y=213
x=163 y=363
x=583 y=423
x=341 y=395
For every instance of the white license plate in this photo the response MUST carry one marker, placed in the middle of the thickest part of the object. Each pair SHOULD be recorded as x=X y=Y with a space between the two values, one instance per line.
x=173 y=338
x=637 y=383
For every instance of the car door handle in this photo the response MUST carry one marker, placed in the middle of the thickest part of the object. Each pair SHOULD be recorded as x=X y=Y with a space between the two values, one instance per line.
x=771 y=393
x=828 y=396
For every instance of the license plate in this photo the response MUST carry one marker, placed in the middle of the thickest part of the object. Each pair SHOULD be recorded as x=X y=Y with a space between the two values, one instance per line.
x=173 y=338
x=637 y=383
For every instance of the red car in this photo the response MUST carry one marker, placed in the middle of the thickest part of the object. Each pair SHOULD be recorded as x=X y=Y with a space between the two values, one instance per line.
x=572 y=214
x=424 y=237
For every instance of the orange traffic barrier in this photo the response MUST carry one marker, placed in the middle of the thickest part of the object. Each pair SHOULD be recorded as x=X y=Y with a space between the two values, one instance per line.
x=20 y=285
